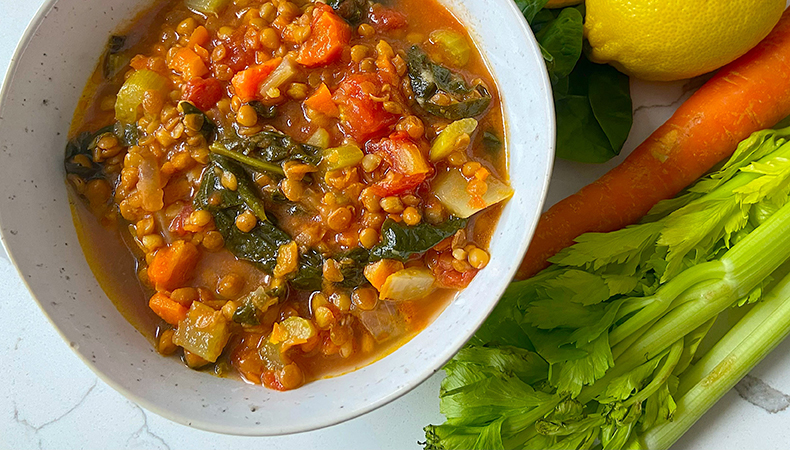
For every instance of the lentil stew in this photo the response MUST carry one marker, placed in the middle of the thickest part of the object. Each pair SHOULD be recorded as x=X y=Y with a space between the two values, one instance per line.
x=302 y=186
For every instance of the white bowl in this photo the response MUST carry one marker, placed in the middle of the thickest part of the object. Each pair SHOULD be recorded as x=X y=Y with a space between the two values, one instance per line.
x=46 y=77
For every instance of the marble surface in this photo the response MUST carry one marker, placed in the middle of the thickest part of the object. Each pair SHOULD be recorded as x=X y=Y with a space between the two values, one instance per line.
x=49 y=399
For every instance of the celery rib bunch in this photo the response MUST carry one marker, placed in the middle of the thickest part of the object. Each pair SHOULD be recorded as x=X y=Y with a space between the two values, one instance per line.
x=600 y=349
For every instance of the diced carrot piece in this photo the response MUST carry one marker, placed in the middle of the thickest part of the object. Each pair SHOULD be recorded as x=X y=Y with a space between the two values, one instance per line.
x=139 y=62
x=199 y=37
x=329 y=35
x=172 y=265
x=378 y=271
x=246 y=82
x=321 y=101
x=188 y=64
x=166 y=308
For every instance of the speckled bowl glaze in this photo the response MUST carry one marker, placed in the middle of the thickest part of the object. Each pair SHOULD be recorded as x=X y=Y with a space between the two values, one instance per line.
x=42 y=88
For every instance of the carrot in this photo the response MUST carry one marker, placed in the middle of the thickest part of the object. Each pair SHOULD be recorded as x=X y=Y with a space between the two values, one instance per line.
x=199 y=37
x=321 y=101
x=747 y=95
x=172 y=265
x=329 y=35
x=188 y=64
x=246 y=82
x=169 y=310
x=378 y=271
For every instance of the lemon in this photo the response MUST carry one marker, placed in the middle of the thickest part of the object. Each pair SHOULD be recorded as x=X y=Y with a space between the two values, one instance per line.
x=667 y=40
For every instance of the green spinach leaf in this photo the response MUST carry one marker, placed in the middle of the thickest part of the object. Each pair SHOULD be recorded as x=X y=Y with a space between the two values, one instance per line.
x=562 y=39
x=399 y=241
x=85 y=143
x=592 y=102
x=115 y=57
x=594 y=117
x=351 y=10
x=311 y=264
x=274 y=147
x=530 y=8
x=260 y=245
x=264 y=111
x=428 y=79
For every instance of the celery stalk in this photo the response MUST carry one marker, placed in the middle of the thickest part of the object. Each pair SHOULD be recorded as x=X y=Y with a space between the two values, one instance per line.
x=344 y=156
x=207 y=6
x=130 y=96
x=745 y=345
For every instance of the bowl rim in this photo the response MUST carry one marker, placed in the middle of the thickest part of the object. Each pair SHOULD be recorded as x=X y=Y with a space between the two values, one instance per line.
x=340 y=417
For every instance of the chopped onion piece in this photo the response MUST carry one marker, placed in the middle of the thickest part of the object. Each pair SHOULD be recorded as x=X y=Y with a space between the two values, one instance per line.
x=450 y=189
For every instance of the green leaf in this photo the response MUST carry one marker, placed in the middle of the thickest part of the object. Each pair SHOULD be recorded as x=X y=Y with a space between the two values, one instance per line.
x=552 y=345
x=450 y=437
x=428 y=78
x=597 y=250
x=610 y=99
x=274 y=147
x=579 y=136
x=577 y=286
x=594 y=117
x=661 y=406
x=530 y=8
x=773 y=185
x=624 y=386
x=575 y=374
x=524 y=364
x=562 y=39
x=490 y=437
x=490 y=399
x=260 y=245
x=400 y=241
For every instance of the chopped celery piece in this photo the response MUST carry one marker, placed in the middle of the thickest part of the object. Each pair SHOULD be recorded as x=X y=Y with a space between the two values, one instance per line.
x=344 y=156
x=450 y=189
x=319 y=139
x=292 y=331
x=408 y=284
x=445 y=143
x=279 y=76
x=204 y=332
x=130 y=96
x=207 y=6
x=454 y=46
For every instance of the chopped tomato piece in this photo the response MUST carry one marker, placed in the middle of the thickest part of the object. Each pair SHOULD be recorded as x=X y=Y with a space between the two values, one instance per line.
x=408 y=166
x=321 y=101
x=330 y=34
x=395 y=183
x=246 y=82
x=386 y=19
x=239 y=57
x=246 y=358
x=362 y=117
x=446 y=276
x=203 y=92
x=172 y=266
x=188 y=64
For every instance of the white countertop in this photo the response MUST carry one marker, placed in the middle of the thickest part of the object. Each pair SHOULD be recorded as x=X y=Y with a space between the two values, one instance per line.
x=49 y=399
